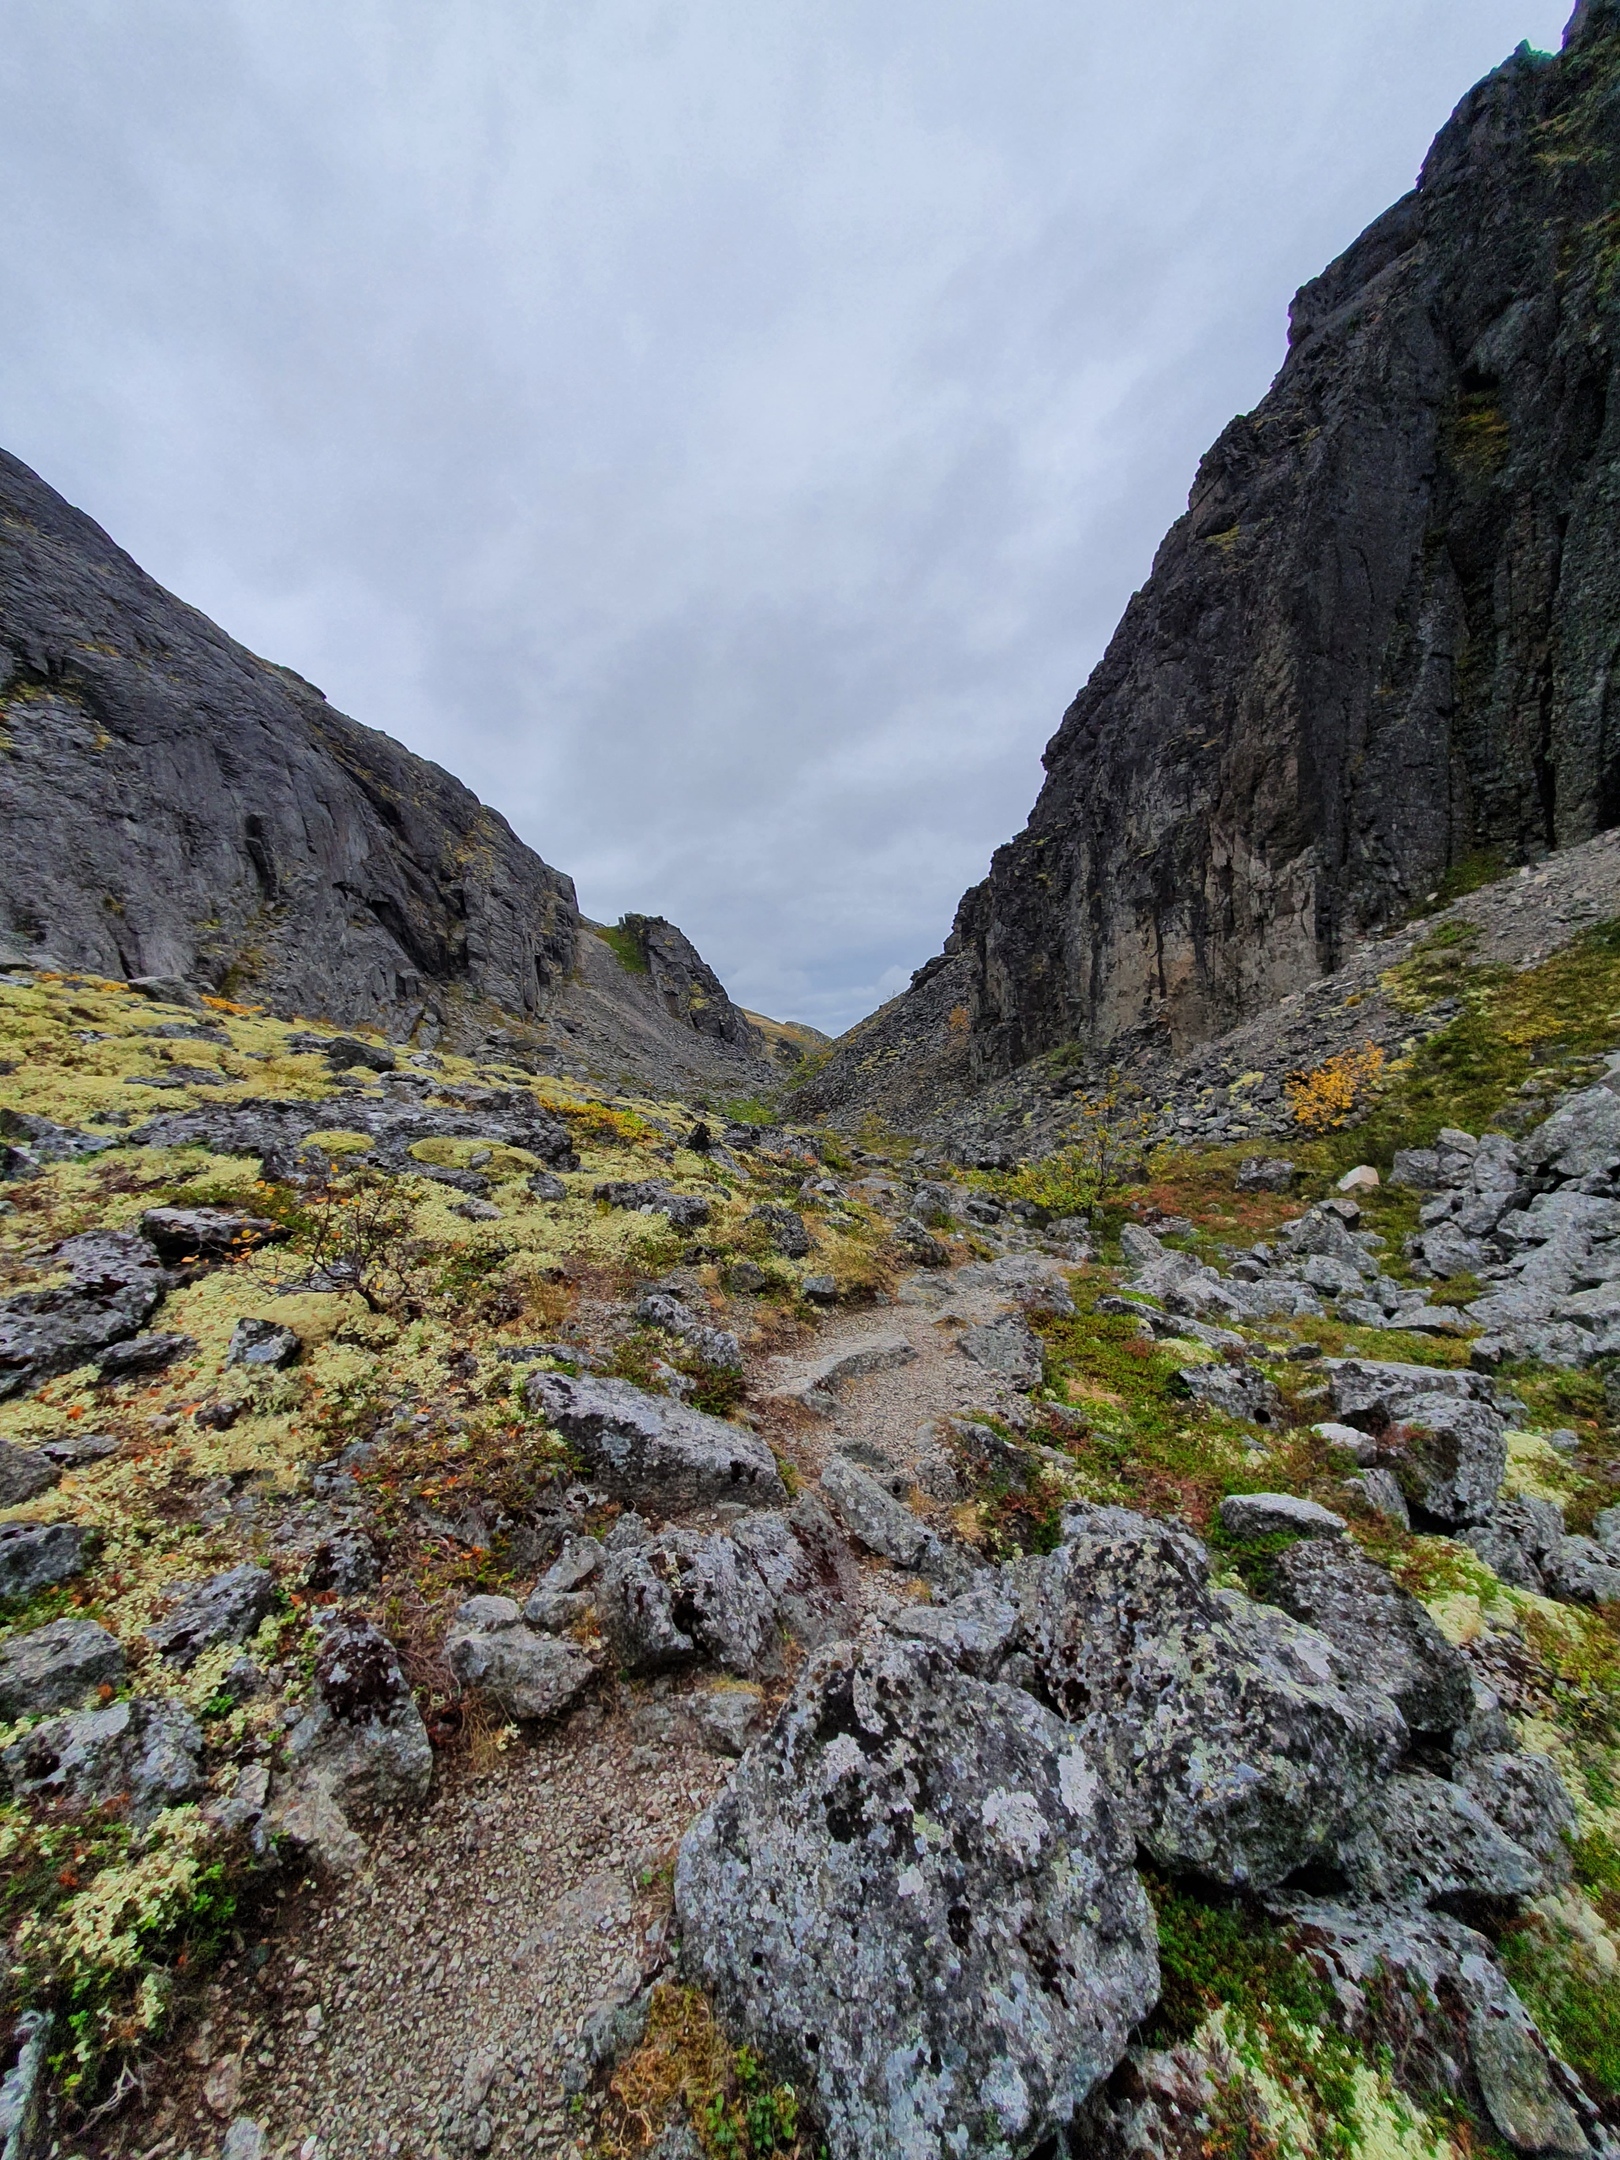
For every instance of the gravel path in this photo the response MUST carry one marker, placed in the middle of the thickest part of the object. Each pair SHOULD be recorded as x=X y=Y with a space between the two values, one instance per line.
x=429 y=2006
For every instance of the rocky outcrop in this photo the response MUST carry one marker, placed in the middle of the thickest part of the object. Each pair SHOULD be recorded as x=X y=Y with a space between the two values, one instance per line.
x=688 y=989
x=175 y=810
x=1377 y=646
x=915 y=1899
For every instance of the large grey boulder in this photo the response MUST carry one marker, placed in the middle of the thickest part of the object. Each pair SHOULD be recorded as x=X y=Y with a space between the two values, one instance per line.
x=1423 y=1840
x=1380 y=1630
x=55 y=1667
x=1525 y=1797
x=1274 y=1514
x=1579 y=1572
x=147 y=1751
x=1517 y=1539
x=1243 y=1745
x=1581 y=1139
x=729 y=1598
x=1236 y=1391
x=653 y=1450
x=206 y=1233
x=785 y=1230
x=917 y=1901
x=361 y=1745
x=33 y=1556
x=227 y=1608
x=1038 y=1284
x=1370 y=1393
x=1456 y=1458
x=1008 y=1348
x=716 y=1347
x=976 y=1631
x=684 y=1597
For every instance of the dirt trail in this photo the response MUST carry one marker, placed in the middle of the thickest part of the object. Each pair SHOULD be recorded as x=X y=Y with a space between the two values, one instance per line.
x=430 y=2008
x=895 y=1408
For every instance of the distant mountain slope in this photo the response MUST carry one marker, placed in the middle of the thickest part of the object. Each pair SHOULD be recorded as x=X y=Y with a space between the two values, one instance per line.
x=1376 y=654
x=172 y=805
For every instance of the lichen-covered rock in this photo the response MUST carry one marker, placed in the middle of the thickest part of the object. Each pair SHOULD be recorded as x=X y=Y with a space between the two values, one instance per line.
x=685 y=1596
x=146 y=1750
x=1243 y=1745
x=1517 y=1539
x=137 y=1355
x=226 y=1608
x=886 y=1525
x=919 y=1244
x=525 y=1674
x=1422 y=1840
x=1525 y=1797
x=652 y=1450
x=1456 y=1455
x=1008 y=1348
x=262 y=1345
x=648 y=1196
x=785 y=1230
x=206 y=1233
x=1379 y=1629
x=917 y=1901
x=1579 y=1572
x=1466 y=2034
x=115 y=1281
x=1272 y=1514
x=727 y=1597
x=1235 y=1390
x=35 y=1555
x=361 y=1745
x=976 y=1631
x=54 y=1667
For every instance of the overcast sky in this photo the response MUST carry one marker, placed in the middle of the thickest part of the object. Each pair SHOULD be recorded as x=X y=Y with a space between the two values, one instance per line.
x=723 y=433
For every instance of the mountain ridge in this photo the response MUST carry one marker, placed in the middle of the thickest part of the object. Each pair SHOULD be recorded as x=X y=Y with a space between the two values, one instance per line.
x=1372 y=657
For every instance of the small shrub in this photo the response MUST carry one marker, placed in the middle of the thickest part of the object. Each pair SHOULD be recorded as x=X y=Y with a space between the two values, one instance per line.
x=684 y=2060
x=1326 y=1098
x=1108 y=1144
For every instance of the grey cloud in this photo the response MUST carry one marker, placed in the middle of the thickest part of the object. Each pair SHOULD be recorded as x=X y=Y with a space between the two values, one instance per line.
x=725 y=436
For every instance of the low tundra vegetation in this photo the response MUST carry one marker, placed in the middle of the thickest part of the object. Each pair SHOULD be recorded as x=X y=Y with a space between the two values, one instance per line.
x=402 y=1304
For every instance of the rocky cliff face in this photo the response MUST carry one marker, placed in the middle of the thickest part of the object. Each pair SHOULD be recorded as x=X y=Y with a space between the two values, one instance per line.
x=688 y=989
x=172 y=805
x=1378 y=649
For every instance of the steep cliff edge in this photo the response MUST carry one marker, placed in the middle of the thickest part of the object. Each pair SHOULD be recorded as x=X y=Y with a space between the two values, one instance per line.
x=1376 y=653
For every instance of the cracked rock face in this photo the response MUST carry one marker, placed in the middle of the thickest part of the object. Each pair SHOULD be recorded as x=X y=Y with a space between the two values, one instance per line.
x=1243 y=1744
x=1277 y=753
x=919 y=1902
